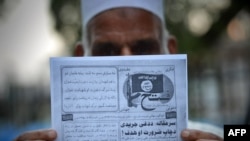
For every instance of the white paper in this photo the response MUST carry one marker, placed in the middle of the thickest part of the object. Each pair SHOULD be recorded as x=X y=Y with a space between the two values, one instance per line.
x=125 y=98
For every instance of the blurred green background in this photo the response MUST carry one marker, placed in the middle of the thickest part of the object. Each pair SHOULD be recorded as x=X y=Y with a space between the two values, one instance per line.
x=214 y=33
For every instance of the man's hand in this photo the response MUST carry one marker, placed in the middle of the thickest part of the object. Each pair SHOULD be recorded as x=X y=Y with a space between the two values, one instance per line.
x=196 y=135
x=45 y=135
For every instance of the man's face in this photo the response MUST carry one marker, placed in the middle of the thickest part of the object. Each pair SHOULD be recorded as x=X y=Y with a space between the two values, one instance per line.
x=125 y=31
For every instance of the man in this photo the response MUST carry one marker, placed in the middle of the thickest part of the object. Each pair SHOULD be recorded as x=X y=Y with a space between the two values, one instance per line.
x=124 y=27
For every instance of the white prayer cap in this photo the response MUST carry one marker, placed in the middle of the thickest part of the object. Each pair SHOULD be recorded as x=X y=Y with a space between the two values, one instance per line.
x=90 y=8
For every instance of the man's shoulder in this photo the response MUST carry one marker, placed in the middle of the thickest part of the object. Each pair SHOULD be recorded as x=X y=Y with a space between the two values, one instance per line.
x=206 y=127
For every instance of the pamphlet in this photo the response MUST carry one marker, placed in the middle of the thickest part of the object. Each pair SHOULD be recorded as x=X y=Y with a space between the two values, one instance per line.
x=119 y=98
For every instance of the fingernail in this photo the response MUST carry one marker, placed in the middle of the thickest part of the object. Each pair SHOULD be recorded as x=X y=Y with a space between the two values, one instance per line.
x=52 y=134
x=185 y=133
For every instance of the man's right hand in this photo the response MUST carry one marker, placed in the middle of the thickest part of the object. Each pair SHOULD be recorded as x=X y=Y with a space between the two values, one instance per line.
x=45 y=135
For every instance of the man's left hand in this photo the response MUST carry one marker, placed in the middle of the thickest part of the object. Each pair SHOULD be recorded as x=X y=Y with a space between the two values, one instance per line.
x=196 y=135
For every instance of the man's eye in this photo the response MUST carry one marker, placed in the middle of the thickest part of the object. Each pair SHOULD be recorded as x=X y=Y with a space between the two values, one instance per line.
x=145 y=48
x=106 y=49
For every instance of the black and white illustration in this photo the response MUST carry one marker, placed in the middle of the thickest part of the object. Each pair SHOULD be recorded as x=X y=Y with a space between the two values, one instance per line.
x=148 y=90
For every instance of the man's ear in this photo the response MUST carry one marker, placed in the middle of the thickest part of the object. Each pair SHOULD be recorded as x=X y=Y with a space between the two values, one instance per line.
x=172 y=45
x=79 y=50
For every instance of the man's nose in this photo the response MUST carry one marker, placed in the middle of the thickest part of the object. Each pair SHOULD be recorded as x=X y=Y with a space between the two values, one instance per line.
x=126 y=51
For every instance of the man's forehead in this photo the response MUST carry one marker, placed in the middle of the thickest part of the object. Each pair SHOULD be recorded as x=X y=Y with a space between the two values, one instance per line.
x=126 y=14
x=124 y=26
x=124 y=20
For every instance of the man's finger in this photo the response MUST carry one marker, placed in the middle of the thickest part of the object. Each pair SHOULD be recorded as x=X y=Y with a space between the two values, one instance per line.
x=193 y=135
x=47 y=135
